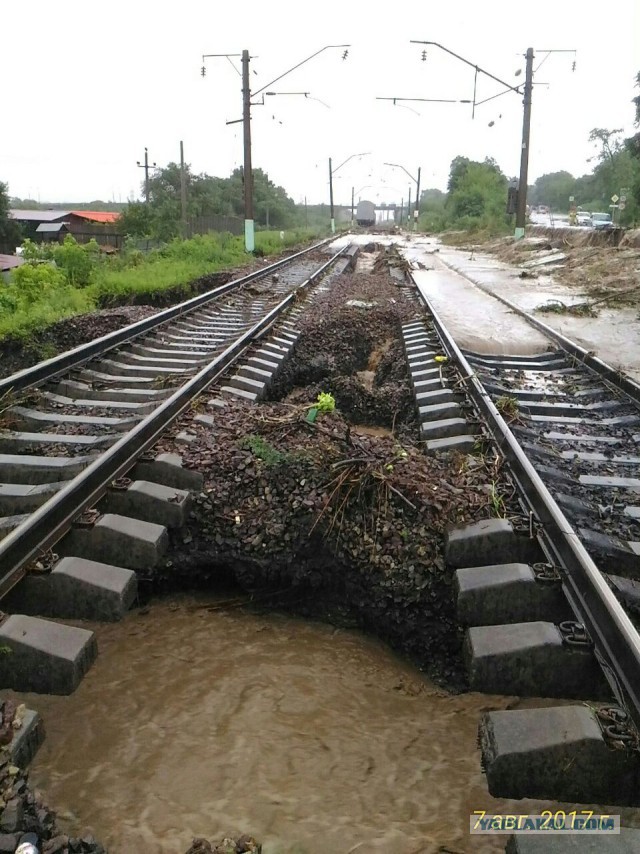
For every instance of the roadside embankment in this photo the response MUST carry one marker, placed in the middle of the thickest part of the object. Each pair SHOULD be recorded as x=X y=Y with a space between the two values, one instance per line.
x=579 y=236
x=586 y=262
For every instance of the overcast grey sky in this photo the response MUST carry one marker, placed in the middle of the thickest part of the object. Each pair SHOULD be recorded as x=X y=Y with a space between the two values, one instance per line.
x=90 y=84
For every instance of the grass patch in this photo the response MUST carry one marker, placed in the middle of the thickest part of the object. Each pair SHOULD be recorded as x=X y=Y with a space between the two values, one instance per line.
x=507 y=406
x=27 y=318
x=180 y=263
x=269 y=455
x=261 y=449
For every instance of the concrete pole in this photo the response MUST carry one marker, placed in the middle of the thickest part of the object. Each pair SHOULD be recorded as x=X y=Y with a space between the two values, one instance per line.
x=146 y=174
x=333 y=222
x=353 y=191
x=183 y=191
x=409 y=208
x=521 y=210
x=249 y=227
x=415 y=219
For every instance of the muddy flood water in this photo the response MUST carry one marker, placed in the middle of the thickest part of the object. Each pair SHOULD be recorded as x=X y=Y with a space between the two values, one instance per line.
x=201 y=721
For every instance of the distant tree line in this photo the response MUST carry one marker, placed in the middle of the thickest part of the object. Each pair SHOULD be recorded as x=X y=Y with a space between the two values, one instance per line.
x=206 y=196
x=617 y=172
x=477 y=191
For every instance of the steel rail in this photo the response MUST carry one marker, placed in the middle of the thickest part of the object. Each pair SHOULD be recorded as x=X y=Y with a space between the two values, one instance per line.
x=52 y=367
x=615 y=638
x=620 y=381
x=54 y=518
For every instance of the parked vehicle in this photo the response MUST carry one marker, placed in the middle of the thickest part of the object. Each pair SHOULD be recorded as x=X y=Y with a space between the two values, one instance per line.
x=583 y=218
x=601 y=221
x=366 y=213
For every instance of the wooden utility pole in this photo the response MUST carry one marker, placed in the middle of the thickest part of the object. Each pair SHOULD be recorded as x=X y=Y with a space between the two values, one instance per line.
x=249 y=230
x=183 y=191
x=146 y=168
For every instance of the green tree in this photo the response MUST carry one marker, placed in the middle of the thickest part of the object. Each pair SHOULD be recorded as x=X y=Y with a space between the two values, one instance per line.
x=632 y=145
x=478 y=198
x=136 y=220
x=10 y=233
x=206 y=196
x=459 y=167
x=616 y=170
x=553 y=190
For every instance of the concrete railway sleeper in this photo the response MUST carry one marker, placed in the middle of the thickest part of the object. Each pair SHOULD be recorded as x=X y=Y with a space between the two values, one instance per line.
x=541 y=618
x=101 y=521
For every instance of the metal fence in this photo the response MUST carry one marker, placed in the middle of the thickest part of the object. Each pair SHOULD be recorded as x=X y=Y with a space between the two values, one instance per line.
x=205 y=224
x=102 y=236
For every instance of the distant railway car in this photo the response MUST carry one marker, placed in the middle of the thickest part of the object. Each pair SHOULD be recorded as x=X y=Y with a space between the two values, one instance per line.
x=366 y=213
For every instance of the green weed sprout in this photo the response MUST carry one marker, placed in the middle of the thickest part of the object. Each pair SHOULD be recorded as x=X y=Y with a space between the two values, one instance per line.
x=325 y=402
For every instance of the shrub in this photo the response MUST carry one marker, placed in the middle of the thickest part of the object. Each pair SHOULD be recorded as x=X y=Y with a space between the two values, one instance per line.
x=37 y=296
x=78 y=262
x=33 y=282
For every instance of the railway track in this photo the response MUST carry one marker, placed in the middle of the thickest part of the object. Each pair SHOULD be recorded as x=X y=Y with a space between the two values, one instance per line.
x=542 y=594
x=78 y=487
x=541 y=618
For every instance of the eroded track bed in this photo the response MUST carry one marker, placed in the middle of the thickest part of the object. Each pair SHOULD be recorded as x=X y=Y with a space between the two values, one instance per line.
x=342 y=517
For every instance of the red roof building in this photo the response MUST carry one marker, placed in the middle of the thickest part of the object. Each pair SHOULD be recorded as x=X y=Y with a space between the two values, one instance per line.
x=106 y=217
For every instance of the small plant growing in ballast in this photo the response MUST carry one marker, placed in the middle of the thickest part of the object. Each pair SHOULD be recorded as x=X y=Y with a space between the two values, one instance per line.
x=498 y=506
x=325 y=403
x=507 y=407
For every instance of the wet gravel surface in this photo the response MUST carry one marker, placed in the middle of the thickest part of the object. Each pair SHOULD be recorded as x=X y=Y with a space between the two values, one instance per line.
x=597 y=508
x=24 y=816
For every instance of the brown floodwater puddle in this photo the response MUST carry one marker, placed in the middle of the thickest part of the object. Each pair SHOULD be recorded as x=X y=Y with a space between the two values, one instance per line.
x=200 y=721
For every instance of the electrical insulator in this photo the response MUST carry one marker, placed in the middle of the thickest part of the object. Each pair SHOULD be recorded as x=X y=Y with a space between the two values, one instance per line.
x=345 y=54
x=203 y=71
x=424 y=56
x=573 y=66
